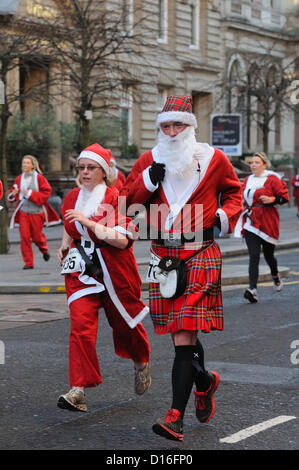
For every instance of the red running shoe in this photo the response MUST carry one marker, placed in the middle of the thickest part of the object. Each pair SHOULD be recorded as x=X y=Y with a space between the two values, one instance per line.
x=204 y=401
x=171 y=427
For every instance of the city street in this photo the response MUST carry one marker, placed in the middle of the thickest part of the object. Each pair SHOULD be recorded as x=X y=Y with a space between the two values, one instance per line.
x=166 y=133
x=257 y=356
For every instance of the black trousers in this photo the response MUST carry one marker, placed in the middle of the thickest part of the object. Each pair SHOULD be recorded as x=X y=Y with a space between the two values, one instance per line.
x=254 y=244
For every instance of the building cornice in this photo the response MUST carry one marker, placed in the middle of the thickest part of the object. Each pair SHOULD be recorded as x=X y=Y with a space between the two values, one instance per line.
x=243 y=25
x=186 y=65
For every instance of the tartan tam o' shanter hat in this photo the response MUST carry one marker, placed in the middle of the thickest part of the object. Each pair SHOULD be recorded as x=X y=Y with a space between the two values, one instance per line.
x=179 y=109
x=98 y=154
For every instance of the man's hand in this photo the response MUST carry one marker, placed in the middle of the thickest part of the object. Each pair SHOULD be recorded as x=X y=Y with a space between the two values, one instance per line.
x=157 y=172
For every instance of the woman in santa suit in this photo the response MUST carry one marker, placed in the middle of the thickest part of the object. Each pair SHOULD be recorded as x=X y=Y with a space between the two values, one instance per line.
x=295 y=184
x=32 y=190
x=262 y=191
x=102 y=273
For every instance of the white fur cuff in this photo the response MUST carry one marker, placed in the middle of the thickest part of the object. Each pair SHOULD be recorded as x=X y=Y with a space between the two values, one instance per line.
x=177 y=116
x=147 y=181
x=224 y=222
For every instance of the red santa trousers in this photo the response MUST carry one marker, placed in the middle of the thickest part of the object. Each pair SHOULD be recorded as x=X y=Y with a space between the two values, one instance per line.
x=129 y=343
x=31 y=226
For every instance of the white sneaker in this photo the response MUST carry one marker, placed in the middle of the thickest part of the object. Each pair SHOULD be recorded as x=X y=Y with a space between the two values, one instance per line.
x=251 y=295
x=277 y=283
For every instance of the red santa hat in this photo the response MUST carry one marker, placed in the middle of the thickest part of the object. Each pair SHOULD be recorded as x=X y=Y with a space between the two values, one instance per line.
x=98 y=154
x=179 y=109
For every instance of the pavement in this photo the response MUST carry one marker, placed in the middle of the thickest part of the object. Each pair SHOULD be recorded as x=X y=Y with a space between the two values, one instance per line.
x=45 y=278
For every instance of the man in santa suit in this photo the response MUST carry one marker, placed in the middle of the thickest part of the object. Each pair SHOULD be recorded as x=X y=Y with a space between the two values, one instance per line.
x=181 y=183
x=32 y=190
x=103 y=274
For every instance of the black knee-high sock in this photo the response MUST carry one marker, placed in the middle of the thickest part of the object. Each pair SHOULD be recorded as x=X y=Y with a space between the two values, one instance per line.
x=183 y=375
x=202 y=380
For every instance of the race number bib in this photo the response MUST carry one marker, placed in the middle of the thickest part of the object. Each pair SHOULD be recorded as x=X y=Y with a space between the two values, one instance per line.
x=151 y=273
x=72 y=262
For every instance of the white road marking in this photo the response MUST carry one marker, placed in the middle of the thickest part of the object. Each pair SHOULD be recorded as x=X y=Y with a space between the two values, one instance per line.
x=248 y=432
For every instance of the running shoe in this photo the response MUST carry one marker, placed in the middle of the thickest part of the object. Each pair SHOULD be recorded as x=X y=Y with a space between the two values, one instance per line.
x=204 y=401
x=251 y=295
x=74 y=400
x=277 y=283
x=171 y=427
x=142 y=380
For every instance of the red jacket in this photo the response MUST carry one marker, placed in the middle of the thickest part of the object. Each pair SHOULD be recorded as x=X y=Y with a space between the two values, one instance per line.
x=39 y=197
x=120 y=273
x=263 y=220
x=218 y=190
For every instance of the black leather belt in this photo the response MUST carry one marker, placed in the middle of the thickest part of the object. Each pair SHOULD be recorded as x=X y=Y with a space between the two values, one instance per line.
x=177 y=239
x=87 y=244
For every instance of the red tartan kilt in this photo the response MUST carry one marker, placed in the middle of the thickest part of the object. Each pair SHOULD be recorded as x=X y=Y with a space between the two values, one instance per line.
x=200 y=307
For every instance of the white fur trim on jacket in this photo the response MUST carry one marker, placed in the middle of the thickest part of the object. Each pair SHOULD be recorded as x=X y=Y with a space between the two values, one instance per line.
x=259 y=233
x=177 y=116
x=147 y=181
x=132 y=322
x=96 y=158
x=223 y=221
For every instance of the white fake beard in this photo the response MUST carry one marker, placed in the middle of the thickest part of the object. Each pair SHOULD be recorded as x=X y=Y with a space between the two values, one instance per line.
x=177 y=152
x=91 y=200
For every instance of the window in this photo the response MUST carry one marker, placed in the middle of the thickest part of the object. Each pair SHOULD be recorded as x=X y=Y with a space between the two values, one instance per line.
x=194 y=24
x=163 y=21
x=127 y=16
x=163 y=93
x=126 y=116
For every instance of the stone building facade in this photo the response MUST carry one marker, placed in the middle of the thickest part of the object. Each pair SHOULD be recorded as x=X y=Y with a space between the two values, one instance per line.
x=197 y=47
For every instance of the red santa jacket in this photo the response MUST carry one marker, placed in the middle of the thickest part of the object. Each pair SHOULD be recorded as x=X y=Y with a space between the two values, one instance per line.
x=216 y=186
x=120 y=273
x=262 y=219
x=39 y=197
